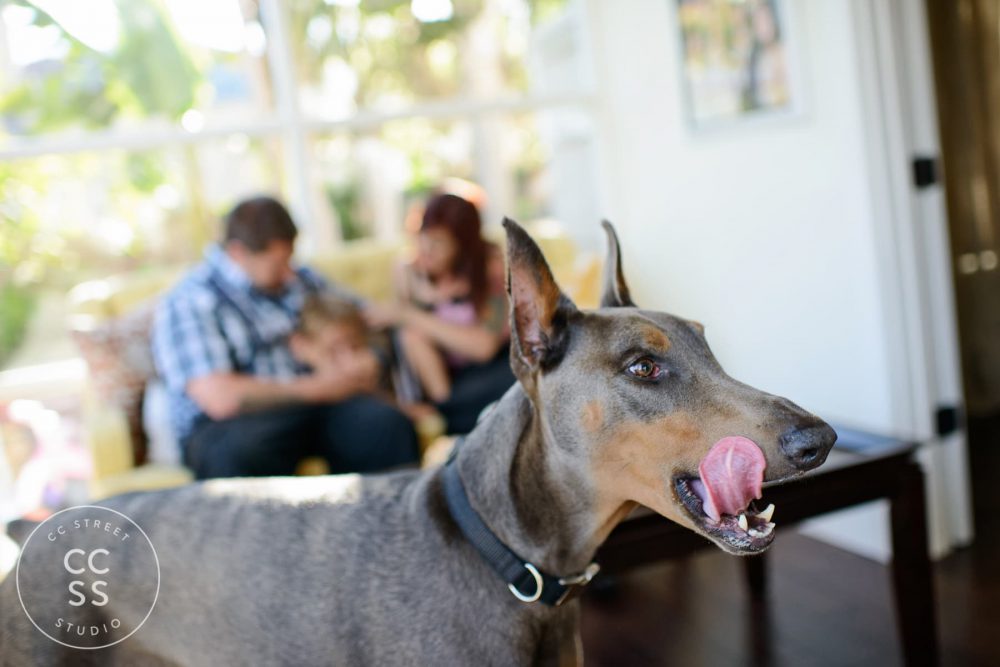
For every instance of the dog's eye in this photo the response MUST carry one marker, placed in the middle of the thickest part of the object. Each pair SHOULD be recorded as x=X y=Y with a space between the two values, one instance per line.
x=645 y=369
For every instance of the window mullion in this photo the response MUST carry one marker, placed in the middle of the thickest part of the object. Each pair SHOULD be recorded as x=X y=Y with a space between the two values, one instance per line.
x=302 y=192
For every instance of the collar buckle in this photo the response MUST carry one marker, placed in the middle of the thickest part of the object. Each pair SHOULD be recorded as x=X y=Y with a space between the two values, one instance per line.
x=583 y=578
x=575 y=584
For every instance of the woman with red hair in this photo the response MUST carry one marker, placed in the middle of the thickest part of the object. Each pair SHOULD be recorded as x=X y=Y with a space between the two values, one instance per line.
x=452 y=313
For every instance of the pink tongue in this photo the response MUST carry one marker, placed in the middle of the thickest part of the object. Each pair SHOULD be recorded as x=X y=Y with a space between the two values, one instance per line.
x=731 y=475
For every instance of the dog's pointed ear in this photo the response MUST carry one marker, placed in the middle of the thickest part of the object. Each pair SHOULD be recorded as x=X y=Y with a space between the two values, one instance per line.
x=615 y=292
x=539 y=311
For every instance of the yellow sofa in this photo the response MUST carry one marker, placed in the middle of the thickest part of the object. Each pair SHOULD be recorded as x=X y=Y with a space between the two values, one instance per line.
x=364 y=266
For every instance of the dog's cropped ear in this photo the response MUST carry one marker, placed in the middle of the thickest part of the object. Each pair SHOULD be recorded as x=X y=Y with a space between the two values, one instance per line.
x=539 y=310
x=615 y=292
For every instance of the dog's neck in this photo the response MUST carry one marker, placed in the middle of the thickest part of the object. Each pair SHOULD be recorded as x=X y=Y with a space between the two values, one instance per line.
x=533 y=492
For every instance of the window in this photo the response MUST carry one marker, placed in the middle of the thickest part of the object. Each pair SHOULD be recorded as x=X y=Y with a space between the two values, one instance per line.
x=130 y=126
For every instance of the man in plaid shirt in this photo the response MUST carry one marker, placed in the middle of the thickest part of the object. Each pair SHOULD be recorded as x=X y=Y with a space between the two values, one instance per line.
x=241 y=404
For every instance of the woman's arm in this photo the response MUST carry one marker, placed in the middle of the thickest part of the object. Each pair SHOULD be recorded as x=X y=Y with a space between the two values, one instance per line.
x=401 y=278
x=477 y=342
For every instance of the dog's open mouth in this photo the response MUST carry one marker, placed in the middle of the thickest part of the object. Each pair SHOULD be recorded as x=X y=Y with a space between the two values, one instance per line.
x=720 y=499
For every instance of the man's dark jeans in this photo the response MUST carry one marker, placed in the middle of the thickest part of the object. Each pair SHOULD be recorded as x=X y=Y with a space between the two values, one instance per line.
x=360 y=434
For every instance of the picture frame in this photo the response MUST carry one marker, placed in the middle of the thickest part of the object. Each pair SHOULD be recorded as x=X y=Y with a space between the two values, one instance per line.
x=737 y=60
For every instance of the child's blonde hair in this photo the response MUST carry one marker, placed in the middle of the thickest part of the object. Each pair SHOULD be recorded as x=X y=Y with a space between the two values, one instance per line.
x=322 y=310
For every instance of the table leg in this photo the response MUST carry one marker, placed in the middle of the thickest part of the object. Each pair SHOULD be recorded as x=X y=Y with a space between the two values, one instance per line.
x=911 y=569
x=755 y=569
x=761 y=637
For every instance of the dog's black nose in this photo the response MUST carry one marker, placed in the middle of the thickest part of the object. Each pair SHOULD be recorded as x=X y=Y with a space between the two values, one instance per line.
x=807 y=447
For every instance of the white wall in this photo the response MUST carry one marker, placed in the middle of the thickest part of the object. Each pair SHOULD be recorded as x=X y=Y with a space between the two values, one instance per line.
x=762 y=231
x=787 y=237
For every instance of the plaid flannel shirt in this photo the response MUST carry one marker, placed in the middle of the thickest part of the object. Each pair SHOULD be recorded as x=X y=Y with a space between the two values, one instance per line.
x=215 y=321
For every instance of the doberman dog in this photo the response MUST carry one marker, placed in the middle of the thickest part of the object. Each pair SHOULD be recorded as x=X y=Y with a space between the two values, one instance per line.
x=477 y=561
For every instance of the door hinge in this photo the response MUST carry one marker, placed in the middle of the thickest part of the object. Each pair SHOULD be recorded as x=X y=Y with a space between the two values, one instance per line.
x=924 y=171
x=947 y=418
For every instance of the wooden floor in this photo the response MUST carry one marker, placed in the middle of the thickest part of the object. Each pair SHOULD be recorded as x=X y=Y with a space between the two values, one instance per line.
x=826 y=606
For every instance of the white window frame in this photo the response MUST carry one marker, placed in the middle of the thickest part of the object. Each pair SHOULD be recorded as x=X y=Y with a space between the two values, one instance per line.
x=291 y=125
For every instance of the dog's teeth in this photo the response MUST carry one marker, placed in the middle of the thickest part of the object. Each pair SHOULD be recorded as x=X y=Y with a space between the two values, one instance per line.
x=744 y=524
x=767 y=513
x=763 y=531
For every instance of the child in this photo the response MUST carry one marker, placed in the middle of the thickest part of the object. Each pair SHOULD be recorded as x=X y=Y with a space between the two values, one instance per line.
x=332 y=330
x=332 y=333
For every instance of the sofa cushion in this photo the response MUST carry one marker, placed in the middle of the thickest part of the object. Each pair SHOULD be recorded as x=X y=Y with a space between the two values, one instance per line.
x=120 y=362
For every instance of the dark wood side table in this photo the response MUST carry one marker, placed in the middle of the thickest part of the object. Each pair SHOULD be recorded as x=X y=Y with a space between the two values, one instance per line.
x=861 y=468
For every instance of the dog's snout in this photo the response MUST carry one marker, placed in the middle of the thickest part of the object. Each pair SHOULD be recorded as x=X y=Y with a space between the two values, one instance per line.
x=807 y=447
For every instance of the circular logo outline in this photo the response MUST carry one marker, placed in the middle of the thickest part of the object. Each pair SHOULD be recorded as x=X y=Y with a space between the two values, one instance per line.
x=17 y=578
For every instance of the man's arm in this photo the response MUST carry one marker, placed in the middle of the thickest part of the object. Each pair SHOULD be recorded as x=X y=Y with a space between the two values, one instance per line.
x=225 y=395
x=192 y=355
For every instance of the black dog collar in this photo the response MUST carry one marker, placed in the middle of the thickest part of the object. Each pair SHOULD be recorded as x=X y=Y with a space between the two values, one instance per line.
x=526 y=582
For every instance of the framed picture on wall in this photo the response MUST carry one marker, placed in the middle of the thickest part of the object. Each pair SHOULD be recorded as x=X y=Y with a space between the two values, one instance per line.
x=736 y=59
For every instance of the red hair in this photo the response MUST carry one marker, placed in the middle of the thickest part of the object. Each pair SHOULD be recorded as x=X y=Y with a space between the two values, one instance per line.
x=461 y=219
